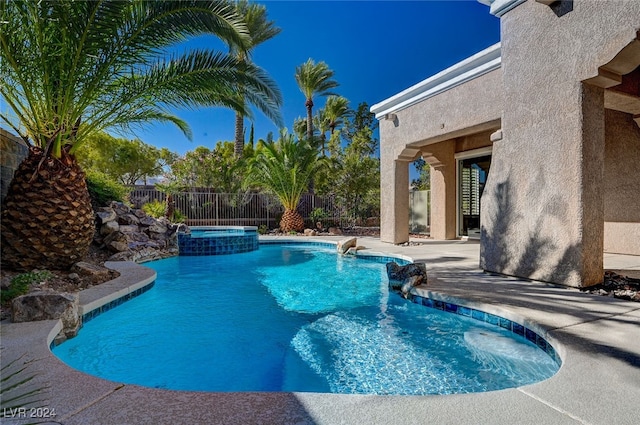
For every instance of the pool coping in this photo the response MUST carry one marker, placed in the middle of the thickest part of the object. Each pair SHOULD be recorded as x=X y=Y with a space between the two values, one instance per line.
x=581 y=392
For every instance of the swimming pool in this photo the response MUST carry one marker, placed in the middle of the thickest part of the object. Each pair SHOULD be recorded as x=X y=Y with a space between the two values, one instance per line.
x=296 y=318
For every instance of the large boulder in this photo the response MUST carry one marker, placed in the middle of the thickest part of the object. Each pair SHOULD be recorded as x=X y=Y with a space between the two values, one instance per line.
x=403 y=278
x=48 y=305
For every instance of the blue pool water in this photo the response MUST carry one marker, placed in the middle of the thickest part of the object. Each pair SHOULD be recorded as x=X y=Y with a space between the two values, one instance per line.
x=295 y=318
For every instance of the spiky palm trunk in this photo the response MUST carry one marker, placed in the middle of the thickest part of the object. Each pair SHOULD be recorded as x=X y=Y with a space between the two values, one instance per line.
x=47 y=219
x=291 y=220
x=238 y=146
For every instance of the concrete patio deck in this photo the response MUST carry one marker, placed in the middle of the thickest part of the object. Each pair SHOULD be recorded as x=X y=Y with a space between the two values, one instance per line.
x=597 y=337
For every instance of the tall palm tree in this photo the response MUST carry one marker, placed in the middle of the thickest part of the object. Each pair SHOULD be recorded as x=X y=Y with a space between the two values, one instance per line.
x=69 y=69
x=260 y=30
x=314 y=79
x=285 y=168
x=336 y=110
x=321 y=122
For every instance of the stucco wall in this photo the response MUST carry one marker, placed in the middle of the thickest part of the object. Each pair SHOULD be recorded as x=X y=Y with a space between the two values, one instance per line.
x=463 y=110
x=621 y=184
x=454 y=113
x=542 y=206
x=12 y=151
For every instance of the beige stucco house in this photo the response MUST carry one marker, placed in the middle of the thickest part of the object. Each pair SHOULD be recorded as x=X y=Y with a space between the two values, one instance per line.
x=534 y=143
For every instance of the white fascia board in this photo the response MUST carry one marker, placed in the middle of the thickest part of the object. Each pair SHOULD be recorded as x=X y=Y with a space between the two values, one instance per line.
x=500 y=7
x=473 y=67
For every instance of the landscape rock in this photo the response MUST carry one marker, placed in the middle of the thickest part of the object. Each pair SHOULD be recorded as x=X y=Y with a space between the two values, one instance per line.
x=48 y=305
x=140 y=214
x=157 y=227
x=128 y=219
x=147 y=221
x=129 y=228
x=106 y=214
x=335 y=231
x=93 y=272
x=310 y=232
x=109 y=227
x=143 y=254
x=403 y=278
x=345 y=244
x=120 y=208
x=352 y=251
x=132 y=235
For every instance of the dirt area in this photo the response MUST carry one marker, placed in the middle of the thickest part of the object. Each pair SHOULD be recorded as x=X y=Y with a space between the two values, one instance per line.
x=62 y=281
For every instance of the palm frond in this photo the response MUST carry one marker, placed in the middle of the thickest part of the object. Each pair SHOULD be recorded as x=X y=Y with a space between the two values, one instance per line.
x=70 y=68
x=18 y=388
x=285 y=168
x=315 y=79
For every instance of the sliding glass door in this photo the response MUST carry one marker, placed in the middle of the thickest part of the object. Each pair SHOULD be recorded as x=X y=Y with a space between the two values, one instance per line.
x=472 y=176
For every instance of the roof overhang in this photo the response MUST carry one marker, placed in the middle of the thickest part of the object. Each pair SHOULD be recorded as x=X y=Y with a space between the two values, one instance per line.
x=473 y=67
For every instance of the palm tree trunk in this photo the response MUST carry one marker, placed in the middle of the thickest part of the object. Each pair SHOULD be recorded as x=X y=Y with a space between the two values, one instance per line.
x=47 y=218
x=309 y=105
x=238 y=146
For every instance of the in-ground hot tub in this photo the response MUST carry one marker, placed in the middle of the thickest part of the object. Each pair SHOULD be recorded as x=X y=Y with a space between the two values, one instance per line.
x=218 y=240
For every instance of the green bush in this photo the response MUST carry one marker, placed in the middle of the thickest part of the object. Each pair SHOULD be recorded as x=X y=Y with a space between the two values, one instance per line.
x=263 y=229
x=155 y=208
x=20 y=284
x=103 y=189
x=318 y=214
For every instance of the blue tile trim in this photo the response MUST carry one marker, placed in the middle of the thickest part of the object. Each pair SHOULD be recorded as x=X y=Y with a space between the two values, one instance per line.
x=518 y=329
x=90 y=315
x=229 y=242
x=302 y=243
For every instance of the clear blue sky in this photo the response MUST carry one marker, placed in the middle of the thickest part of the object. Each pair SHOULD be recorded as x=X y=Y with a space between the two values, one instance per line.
x=376 y=48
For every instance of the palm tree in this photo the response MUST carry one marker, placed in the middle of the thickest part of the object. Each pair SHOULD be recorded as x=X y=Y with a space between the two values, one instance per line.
x=285 y=168
x=260 y=30
x=321 y=122
x=314 y=79
x=300 y=127
x=69 y=69
x=336 y=110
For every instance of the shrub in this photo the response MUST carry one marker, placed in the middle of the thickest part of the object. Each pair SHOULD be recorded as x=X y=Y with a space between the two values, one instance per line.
x=103 y=189
x=158 y=209
x=20 y=284
x=155 y=208
x=318 y=214
x=263 y=229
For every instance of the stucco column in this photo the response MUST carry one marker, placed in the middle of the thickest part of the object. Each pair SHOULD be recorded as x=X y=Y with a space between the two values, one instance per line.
x=443 y=189
x=593 y=158
x=394 y=201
